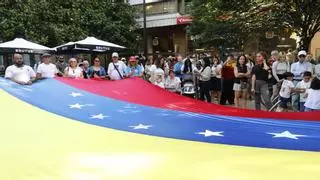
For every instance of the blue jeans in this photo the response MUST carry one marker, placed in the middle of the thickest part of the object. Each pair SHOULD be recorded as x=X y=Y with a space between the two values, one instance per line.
x=295 y=99
x=302 y=108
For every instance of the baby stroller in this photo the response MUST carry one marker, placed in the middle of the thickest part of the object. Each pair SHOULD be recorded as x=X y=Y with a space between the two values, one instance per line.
x=188 y=88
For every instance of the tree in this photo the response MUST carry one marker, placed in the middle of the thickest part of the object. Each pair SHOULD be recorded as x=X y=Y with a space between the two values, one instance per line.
x=212 y=25
x=230 y=20
x=56 y=22
x=231 y=23
x=302 y=16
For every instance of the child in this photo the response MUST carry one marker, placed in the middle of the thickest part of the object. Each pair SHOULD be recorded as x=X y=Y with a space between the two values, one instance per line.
x=302 y=87
x=159 y=81
x=287 y=88
x=313 y=96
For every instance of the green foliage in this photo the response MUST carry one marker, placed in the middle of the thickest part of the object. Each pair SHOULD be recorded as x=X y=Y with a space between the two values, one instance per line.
x=223 y=22
x=253 y=18
x=59 y=21
x=302 y=16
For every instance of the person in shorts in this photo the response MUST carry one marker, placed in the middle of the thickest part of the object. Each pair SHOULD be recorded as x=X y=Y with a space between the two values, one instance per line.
x=287 y=88
x=240 y=86
x=302 y=87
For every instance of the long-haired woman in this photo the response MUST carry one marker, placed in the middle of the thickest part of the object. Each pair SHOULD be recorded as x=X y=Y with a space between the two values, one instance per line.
x=240 y=86
x=279 y=68
x=97 y=71
x=204 y=80
x=158 y=75
x=216 y=78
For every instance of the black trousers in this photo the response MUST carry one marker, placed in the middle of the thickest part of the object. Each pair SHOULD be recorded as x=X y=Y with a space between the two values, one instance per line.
x=205 y=90
x=227 y=93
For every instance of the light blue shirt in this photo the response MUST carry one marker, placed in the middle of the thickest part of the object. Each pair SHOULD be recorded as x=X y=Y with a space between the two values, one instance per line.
x=137 y=70
x=299 y=68
x=177 y=68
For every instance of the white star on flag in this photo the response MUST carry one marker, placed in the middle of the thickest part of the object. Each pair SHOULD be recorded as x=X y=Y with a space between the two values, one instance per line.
x=73 y=94
x=209 y=133
x=141 y=126
x=99 y=116
x=79 y=106
x=286 y=134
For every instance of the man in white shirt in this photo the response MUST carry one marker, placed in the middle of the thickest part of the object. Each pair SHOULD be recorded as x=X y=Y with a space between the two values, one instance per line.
x=20 y=73
x=46 y=69
x=116 y=69
x=298 y=68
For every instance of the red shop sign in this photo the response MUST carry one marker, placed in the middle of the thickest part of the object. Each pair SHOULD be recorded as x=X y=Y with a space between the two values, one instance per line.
x=184 y=20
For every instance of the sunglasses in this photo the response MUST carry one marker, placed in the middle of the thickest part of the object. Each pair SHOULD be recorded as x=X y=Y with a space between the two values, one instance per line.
x=302 y=56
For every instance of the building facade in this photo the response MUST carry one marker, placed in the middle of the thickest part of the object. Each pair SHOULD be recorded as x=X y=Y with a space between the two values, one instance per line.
x=315 y=47
x=167 y=24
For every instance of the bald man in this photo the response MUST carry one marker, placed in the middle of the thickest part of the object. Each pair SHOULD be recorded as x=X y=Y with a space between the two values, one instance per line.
x=20 y=73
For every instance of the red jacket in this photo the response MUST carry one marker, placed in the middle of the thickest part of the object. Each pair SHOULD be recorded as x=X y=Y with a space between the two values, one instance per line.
x=227 y=72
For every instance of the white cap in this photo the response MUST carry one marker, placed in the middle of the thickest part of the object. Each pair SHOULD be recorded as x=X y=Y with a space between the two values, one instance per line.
x=115 y=54
x=302 y=52
x=274 y=52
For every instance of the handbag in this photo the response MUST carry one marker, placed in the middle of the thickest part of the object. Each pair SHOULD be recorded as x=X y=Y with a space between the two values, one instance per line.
x=243 y=85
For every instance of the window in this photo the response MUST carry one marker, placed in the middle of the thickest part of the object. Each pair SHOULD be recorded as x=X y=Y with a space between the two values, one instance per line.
x=159 y=8
x=187 y=7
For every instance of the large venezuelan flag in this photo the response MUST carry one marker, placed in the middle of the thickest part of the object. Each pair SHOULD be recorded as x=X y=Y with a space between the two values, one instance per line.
x=86 y=129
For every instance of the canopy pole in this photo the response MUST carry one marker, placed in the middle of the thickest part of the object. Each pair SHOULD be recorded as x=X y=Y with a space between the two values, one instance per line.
x=145 y=36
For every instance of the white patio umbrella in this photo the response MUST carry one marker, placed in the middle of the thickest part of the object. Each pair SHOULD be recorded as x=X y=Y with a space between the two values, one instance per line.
x=20 y=45
x=89 y=44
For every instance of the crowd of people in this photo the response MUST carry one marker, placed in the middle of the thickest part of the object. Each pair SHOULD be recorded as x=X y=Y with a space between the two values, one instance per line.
x=281 y=80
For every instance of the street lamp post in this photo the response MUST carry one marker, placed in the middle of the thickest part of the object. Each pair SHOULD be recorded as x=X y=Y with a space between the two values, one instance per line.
x=145 y=36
